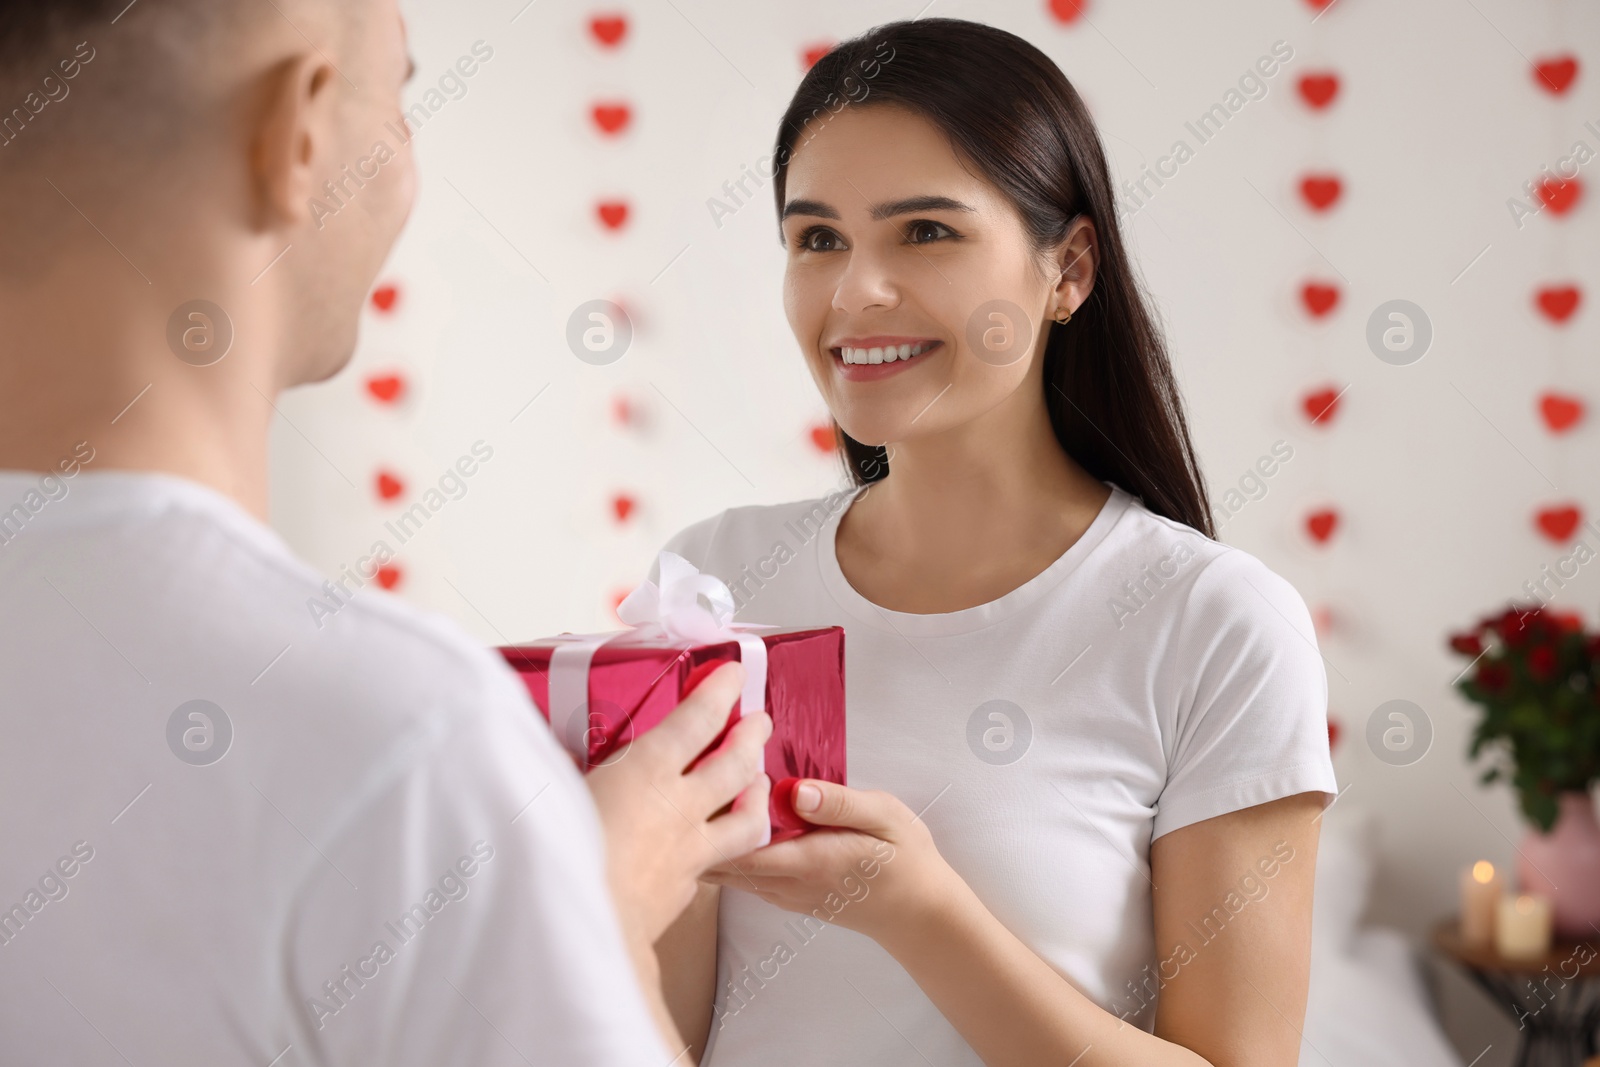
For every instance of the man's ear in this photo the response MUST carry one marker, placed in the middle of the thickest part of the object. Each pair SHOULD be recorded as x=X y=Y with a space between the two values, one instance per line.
x=294 y=138
x=1076 y=260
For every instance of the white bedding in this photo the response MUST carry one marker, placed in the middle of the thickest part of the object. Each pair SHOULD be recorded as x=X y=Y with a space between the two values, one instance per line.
x=1367 y=1005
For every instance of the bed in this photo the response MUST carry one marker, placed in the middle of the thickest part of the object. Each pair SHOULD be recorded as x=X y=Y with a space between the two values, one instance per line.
x=1367 y=1006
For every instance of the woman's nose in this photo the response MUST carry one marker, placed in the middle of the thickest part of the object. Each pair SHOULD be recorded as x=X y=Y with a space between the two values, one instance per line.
x=867 y=282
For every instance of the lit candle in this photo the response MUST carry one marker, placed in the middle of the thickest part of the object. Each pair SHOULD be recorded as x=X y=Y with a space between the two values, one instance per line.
x=1480 y=895
x=1522 y=926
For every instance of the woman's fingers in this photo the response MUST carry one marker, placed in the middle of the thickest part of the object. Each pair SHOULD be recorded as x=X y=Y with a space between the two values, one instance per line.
x=870 y=811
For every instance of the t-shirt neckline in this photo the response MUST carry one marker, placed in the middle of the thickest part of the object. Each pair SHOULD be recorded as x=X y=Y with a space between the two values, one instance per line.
x=110 y=493
x=967 y=620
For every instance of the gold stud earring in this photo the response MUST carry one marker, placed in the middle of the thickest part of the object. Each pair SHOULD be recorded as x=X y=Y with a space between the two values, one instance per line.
x=1065 y=316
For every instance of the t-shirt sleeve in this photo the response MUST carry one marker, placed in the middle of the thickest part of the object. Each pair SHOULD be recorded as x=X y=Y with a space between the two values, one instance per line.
x=692 y=542
x=1251 y=722
x=461 y=914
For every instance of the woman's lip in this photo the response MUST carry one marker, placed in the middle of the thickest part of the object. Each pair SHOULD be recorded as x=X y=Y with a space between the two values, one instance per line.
x=882 y=340
x=870 y=372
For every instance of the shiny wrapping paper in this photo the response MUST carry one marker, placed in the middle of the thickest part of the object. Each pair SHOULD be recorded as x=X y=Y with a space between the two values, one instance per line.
x=632 y=686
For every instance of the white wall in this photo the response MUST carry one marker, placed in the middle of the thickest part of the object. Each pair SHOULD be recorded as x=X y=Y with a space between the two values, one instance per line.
x=1436 y=467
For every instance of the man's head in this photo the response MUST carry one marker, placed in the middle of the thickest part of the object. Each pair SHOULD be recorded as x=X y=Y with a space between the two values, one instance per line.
x=163 y=151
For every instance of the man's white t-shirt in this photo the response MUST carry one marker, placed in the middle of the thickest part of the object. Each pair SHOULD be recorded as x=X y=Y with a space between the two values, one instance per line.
x=392 y=861
x=1147 y=679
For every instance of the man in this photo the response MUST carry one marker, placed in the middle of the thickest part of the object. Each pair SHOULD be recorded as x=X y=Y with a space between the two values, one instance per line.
x=233 y=835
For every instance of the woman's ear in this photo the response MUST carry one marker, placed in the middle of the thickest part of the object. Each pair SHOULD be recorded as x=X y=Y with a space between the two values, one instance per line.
x=1076 y=258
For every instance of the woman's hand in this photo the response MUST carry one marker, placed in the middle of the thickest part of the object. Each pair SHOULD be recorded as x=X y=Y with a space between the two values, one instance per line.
x=874 y=869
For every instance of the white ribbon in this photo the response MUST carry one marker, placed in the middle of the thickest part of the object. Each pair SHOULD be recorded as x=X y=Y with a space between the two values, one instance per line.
x=670 y=613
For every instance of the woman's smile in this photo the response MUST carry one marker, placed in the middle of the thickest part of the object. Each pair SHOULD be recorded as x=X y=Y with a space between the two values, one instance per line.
x=865 y=359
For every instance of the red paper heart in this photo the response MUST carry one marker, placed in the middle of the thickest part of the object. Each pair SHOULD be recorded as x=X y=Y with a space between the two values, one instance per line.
x=1558 y=523
x=1560 y=411
x=1555 y=74
x=1068 y=11
x=384 y=297
x=823 y=438
x=1558 y=302
x=617 y=597
x=1322 y=619
x=1560 y=194
x=386 y=388
x=1319 y=298
x=622 y=410
x=1321 y=190
x=609 y=30
x=1321 y=524
x=1318 y=5
x=622 y=505
x=613 y=213
x=1318 y=90
x=1333 y=734
x=389 y=486
x=611 y=118
x=810 y=55
x=1321 y=406
x=388 y=576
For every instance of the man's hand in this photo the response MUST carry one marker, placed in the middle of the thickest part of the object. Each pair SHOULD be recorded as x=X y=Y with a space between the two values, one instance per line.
x=660 y=833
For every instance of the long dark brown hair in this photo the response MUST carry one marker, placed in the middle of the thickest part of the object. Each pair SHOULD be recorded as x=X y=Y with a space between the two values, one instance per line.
x=1013 y=116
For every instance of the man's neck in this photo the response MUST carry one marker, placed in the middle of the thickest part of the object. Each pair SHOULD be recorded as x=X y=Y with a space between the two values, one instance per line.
x=67 y=379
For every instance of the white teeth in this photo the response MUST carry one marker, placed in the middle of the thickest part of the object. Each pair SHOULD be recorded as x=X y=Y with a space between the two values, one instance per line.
x=889 y=354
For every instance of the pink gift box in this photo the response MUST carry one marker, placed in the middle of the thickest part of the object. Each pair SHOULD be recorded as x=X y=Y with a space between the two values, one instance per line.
x=636 y=677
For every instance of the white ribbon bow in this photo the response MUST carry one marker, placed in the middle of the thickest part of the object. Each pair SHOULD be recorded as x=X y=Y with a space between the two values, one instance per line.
x=674 y=605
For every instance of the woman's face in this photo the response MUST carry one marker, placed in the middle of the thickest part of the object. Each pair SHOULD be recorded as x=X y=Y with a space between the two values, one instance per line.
x=894 y=246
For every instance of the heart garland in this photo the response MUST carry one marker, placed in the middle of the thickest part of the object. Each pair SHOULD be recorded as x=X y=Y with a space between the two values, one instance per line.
x=1555 y=74
x=1320 y=298
x=1558 y=302
x=1560 y=195
x=1561 y=412
x=611 y=117
x=810 y=54
x=386 y=388
x=1319 y=89
x=609 y=30
x=1321 y=524
x=388 y=485
x=1067 y=12
x=1321 y=191
x=1558 y=522
x=384 y=297
x=1321 y=405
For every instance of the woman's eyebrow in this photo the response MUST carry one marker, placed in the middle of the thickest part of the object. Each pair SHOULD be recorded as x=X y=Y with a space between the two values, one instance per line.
x=809 y=207
x=887 y=210
x=913 y=204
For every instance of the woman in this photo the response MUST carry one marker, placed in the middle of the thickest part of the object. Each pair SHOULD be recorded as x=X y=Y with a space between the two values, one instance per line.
x=1087 y=742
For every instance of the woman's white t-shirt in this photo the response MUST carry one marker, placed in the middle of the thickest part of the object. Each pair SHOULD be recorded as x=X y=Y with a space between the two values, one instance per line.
x=1147 y=679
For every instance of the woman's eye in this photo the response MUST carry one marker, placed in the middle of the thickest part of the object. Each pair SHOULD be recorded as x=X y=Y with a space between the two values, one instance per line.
x=818 y=239
x=925 y=230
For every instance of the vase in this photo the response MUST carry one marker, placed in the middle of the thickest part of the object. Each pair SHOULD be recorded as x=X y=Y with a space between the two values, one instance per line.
x=1564 y=865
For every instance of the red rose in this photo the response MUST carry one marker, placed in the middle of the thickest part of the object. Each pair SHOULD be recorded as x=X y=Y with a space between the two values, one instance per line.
x=1542 y=662
x=1466 y=644
x=1514 y=627
x=1567 y=622
x=1492 y=676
